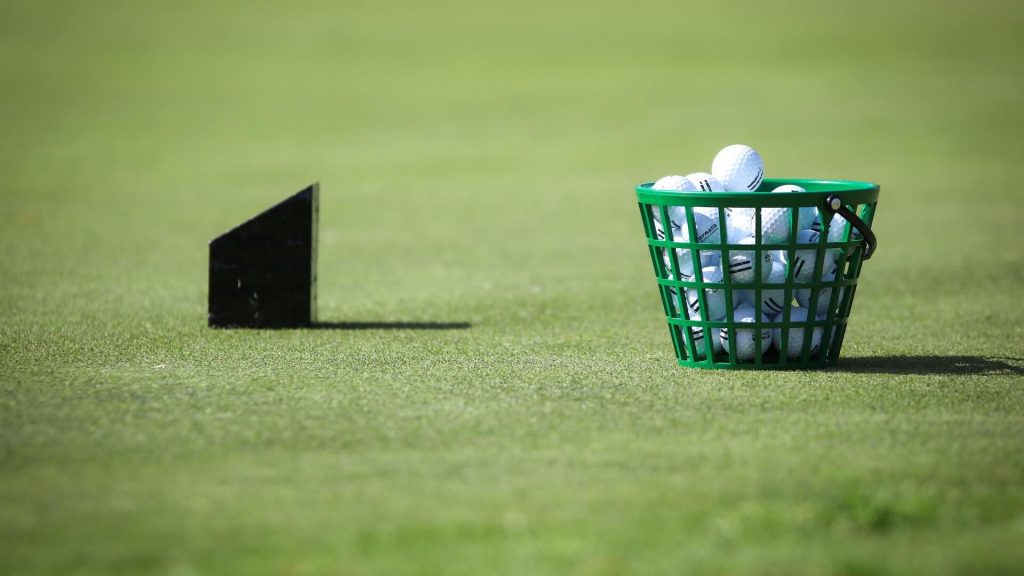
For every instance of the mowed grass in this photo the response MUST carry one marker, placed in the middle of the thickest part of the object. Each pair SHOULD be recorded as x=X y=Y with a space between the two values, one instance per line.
x=477 y=163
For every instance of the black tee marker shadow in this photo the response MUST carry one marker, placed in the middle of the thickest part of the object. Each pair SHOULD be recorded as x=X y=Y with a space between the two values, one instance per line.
x=390 y=326
x=931 y=365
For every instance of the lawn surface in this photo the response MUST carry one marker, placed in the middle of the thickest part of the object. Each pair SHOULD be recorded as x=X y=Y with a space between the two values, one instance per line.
x=477 y=163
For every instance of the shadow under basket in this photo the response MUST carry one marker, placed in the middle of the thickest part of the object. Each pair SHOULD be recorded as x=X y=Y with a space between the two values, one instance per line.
x=777 y=272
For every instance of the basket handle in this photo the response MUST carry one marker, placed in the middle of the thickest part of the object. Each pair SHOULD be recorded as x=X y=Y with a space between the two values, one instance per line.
x=834 y=205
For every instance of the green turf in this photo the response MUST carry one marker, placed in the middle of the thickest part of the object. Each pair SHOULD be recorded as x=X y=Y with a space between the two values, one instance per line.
x=477 y=163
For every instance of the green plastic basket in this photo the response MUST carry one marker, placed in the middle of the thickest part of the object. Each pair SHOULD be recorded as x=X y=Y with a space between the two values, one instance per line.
x=814 y=342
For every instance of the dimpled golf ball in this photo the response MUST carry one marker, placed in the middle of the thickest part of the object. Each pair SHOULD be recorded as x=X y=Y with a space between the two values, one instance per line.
x=685 y=265
x=707 y=211
x=807 y=214
x=711 y=213
x=775 y=225
x=741 y=297
x=773 y=299
x=710 y=258
x=741 y=263
x=705 y=226
x=713 y=297
x=674 y=183
x=705 y=219
x=673 y=301
x=739 y=168
x=745 y=338
x=705 y=182
x=699 y=343
x=741 y=220
x=659 y=230
x=837 y=229
x=685 y=260
x=795 y=343
x=803 y=296
x=803 y=260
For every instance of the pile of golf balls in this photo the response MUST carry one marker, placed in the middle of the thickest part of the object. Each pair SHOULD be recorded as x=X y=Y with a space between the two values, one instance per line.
x=739 y=168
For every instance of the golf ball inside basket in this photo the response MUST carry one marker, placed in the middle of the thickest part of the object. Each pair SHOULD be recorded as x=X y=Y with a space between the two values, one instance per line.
x=773 y=299
x=705 y=182
x=740 y=221
x=699 y=344
x=808 y=215
x=745 y=338
x=713 y=297
x=705 y=226
x=795 y=344
x=739 y=168
x=775 y=225
x=803 y=260
x=837 y=229
x=685 y=265
x=674 y=183
x=741 y=263
x=803 y=296
x=711 y=213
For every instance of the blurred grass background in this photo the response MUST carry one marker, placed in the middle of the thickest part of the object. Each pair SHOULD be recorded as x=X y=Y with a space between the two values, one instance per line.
x=477 y=163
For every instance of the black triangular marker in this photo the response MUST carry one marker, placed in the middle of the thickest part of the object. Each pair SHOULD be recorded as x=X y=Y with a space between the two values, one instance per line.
x=263 y=271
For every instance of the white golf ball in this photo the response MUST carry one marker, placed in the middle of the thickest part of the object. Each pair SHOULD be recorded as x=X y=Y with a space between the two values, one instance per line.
x=739 y=168
x=783 y=188
x=705 y=226
x=710 y=258
x=837 y=229
x=684 y=261
x=803 y=260
x=699 y=344
x=773 y=300
x=741 y=297
x=705 y=219
x=659 y=230
x=673 y=302
x=674 y=183
x=795 y=343
x=775 y=225
x=741 y=221
x=705 y=182
x=745 y=338
x=741 y=263
x=713 y=297
x=711 y=213
x=808 y=214
x=803 y=296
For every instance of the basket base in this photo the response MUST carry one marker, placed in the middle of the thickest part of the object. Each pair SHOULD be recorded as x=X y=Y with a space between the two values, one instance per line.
x=794 y=365
x=769 y=361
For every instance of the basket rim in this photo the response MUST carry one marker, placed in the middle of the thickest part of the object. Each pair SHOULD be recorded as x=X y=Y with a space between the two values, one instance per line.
x=850 y=191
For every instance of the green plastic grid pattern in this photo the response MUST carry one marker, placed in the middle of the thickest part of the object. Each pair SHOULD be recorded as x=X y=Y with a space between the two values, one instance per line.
x=666 y=252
